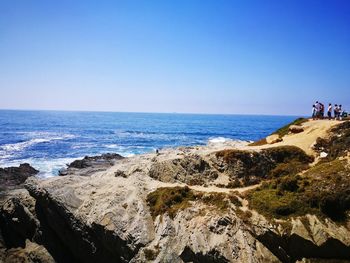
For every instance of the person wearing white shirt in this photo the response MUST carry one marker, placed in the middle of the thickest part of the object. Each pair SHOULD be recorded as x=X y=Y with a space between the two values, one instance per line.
x=329 y=111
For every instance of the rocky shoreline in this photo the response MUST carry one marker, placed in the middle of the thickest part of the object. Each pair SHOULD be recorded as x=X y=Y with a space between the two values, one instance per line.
x=189 y=204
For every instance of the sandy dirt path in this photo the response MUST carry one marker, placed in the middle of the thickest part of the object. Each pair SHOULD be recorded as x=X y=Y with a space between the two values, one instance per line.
x=209 y=189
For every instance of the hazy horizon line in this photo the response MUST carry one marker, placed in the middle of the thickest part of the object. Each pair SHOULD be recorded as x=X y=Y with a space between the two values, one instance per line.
x=152 y=112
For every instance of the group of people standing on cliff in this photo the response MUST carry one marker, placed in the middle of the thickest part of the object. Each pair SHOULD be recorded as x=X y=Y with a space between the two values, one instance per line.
x=318 y=111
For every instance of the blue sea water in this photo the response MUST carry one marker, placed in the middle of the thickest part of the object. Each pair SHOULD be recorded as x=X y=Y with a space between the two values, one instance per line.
x=48 y=140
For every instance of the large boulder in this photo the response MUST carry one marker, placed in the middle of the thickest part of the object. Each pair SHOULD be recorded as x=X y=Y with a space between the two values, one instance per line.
x=274 y=138
x=296 y=129
x=89 y=161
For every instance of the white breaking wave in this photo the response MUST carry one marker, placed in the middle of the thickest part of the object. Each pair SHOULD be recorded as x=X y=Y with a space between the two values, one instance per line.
x=84 y=145
x=145 y=135
x=112 y=146
x=47 y=168
x=219 y=140
x=15 y=147
x=128 y=154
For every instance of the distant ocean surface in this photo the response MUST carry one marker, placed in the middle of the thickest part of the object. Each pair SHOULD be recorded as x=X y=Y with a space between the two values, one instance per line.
x=48 y=140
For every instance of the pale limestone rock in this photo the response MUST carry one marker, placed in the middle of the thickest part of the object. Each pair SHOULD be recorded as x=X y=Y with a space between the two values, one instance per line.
x=274 y=138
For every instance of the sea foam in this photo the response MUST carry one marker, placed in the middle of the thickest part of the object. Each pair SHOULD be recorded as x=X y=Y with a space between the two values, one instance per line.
x=219 y=140
x=22 y=145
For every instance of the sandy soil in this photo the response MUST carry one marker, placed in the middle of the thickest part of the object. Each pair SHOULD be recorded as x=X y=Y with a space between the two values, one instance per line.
x=306 y=139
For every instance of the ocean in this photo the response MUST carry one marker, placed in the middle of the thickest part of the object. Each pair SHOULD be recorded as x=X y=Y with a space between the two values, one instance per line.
x=48 y=140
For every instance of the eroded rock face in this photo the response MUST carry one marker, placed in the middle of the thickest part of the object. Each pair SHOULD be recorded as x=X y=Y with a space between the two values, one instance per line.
x=214 y=237
x=20 y=230
x=78 y=228
x=193 y=170
x=17 y=219
x=308 y=238
x=247 y=166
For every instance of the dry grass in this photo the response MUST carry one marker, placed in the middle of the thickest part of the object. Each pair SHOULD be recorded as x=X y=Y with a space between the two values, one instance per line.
x=324 y=190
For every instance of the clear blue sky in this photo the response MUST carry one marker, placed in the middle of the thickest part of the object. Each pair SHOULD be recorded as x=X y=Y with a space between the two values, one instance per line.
x=266 y=57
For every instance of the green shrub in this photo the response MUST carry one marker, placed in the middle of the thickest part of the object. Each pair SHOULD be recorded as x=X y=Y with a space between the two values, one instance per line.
x=289 y=183
x=334 y=205
x=251 y=166
x=289 y=168
x=235 y=200
x=274 y=203
x=234 y=183
x=150 y=254
x=285 y=154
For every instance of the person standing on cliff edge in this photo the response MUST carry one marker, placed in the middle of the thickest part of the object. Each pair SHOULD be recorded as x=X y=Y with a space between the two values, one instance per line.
x=329 y=111
x=314 y=112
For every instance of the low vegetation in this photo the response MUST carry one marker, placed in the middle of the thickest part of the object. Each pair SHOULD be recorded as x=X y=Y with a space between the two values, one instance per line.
x=259 y=142
x=245 y=163
x=150 y=254
x=170 y=200
x=284 y=154
x=249 y=167
x=289 y=160
x=281 y=131
x=338 y=144
x=324 y=189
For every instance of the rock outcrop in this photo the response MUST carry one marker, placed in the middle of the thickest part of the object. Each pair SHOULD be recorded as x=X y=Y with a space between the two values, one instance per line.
x=32 y=253
x=192 y=170
x=273 y=138
x=296 y=129
x=18 y=223
x=14 y=177
x=17 y=219
x=91 y=164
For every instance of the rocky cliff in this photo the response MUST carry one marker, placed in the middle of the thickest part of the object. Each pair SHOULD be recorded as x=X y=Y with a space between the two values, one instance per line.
x=216 y=203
